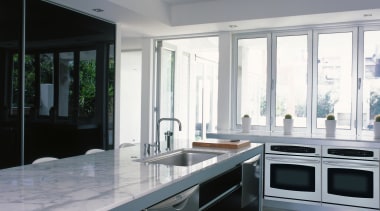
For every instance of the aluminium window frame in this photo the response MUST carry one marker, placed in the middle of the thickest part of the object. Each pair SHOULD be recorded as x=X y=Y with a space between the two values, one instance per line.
x=354 y=76
x=234 y=106
x=275 y=35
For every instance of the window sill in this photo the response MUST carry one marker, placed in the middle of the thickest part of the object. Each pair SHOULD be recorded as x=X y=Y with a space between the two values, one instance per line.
x=297 y=138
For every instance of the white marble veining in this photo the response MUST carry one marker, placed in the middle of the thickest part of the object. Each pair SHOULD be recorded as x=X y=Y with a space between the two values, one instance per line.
x=102 y=181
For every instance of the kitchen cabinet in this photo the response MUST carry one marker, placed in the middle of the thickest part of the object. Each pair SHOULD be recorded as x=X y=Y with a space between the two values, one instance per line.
x=240 y=188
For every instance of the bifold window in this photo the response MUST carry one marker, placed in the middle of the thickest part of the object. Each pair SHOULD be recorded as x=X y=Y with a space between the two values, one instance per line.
x=308 y=74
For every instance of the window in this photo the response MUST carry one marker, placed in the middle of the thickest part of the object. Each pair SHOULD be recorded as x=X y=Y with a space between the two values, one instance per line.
x=252 y=71
x=87 y=83
x=187 y=88
x=66 y=84
x=371 y=78
x=46 y=83
x=334 y=78
x=308 y=74
x=291 y=68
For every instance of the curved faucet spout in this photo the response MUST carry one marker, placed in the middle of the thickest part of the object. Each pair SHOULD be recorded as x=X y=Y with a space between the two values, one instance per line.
x=157 y=144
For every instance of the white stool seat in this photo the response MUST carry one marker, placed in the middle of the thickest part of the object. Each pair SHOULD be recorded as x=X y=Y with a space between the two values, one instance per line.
x=44 y=159
x=126 y=145
x=91 y=151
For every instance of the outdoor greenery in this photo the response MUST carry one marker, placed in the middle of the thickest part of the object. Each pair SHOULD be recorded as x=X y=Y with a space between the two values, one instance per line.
x=325 y=105
x=87 y=90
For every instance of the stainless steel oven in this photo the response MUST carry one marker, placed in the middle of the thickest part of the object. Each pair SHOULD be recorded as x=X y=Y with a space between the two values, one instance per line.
x=292 y=172
x=350 y=176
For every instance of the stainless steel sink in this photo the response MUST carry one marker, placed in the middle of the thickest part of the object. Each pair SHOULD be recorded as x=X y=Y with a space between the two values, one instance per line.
x=182 y=157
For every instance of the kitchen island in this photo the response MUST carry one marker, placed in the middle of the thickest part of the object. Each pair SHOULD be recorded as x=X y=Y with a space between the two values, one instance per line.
x=110 y=180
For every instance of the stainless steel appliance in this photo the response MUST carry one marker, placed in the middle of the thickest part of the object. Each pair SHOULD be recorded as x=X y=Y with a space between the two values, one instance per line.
x=292 y=172
x=187 y=200
x=350 y=176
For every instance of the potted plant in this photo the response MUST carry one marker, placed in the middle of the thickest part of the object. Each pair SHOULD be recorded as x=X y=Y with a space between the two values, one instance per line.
x=288 y=124
x=246 y=123
x=330 y=123
x=376 y=126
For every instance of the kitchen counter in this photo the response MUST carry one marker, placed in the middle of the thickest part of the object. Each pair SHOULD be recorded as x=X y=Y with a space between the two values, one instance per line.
x=109 y=180
x=297 y=138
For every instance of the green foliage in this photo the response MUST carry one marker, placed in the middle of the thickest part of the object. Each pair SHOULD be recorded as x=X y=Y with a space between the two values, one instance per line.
x=87 y=90
x=263 y=106
x=330 y=117
x=246 y=116
x=325 y=105
x=288 y=116
x=377 y=118
x=374 y=104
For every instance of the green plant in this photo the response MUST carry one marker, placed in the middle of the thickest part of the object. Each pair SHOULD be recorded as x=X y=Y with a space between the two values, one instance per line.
x=377 y=118
x=330 y=117
x=246 y=116
x=288 y=116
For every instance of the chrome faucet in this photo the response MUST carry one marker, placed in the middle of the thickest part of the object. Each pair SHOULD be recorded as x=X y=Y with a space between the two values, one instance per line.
x=157 y=144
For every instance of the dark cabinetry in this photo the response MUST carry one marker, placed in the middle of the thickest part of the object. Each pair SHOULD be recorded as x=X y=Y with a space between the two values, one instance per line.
x=56 y=99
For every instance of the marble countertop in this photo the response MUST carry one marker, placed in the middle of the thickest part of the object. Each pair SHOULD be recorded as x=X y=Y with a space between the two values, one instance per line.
x=109 y=180
x=297 y=138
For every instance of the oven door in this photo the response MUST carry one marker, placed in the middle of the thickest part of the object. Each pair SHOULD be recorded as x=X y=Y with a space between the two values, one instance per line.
x=293 y=177
x=350 y=182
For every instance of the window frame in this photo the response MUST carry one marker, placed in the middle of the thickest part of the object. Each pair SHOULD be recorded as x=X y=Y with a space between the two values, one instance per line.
x=360 y=79
x=275 y=35
x=234 y=104
x=312 y=43
x=354 y=66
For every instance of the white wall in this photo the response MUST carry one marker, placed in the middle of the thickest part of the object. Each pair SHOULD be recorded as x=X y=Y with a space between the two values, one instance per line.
x=130 y=96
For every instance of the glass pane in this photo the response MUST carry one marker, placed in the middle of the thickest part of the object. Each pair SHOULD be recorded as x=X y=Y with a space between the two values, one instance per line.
x=16 y=85
x=167 y=90
x=47 y=83
x=291 y=78
x=251 y=80
x=371 y=82
x=334 y=78
x=111 y=93
x=30 y=84
x=87 y=83
x=66 y=84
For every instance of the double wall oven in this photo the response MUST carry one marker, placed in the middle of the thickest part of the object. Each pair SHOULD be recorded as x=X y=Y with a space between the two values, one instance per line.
x=324 y=175
x=293 y=172
x=350 y=176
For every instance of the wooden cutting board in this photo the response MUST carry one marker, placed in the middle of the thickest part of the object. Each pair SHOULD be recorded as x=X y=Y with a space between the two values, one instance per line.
x=221 y=143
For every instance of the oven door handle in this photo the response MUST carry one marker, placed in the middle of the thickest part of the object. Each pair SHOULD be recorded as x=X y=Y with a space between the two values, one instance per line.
x=293 y=160
x=348 y=164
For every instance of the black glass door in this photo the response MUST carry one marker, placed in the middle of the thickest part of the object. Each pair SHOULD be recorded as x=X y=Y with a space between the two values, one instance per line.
x=292 y=177
x=350 y=182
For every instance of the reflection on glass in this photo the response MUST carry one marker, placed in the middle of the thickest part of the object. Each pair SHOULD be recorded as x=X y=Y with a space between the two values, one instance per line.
x=111 y=91
x=15 y=85
x=371 y=82
x=251 y=82
x=47 y=83
x=291 y=78
x=87 y=83
x=66 y=84
x=334 y=78
x=30 y=84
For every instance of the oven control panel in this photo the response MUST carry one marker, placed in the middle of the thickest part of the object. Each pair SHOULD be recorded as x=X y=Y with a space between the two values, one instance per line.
x=293 y=149
x=350 y=153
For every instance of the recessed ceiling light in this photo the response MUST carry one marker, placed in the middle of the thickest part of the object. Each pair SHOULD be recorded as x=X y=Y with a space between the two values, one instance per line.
x=232 y=26
x=98 y=10
x=367 y=15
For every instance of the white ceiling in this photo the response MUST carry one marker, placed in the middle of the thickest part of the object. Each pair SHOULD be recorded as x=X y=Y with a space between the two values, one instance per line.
x=152 y=18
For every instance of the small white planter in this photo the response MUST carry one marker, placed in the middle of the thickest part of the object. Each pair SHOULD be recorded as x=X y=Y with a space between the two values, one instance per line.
x=246 y=124
x=330 y=128
x=376 y=130
x=288 y=126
